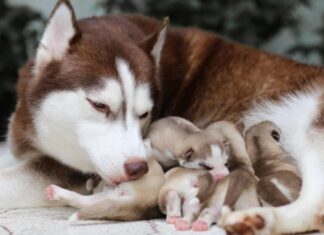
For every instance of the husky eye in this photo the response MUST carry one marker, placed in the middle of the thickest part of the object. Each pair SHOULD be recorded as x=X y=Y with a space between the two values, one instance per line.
x=144 y=115
x=99 y=106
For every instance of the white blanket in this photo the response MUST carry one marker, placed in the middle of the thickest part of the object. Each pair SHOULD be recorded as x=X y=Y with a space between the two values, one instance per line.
x=50 y=221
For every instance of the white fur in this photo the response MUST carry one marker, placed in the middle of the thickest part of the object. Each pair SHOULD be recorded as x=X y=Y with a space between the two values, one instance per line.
x=56 y=122
x=218 y=160
x=6 y=157
x=128 y=83
x=282 y=189
x=157 y=49
x=69 y=129
x=293 y=116
x=56 y=38
x=143 y=101
x=110 y=94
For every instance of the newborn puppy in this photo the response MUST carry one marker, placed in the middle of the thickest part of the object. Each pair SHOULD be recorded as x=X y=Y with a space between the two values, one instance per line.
x=176 y=141
x=237 y=190
x=280 y=180
x=227 y=133
x=134 y=200
x=183 y=194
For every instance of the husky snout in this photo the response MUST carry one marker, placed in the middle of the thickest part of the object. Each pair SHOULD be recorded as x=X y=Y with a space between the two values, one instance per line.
x=135 y=168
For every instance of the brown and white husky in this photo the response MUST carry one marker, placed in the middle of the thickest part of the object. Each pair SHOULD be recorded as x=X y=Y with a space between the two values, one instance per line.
x=94 y=85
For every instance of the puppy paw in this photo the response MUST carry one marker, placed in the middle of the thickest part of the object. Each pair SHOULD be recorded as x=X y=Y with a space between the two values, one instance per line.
x=50 y=192
x=172 y=219
x=254 y=221
x=182 y=224
x=200 y=225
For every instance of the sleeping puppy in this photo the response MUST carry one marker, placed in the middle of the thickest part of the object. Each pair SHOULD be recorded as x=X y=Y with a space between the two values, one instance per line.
x=176 y=141
x=237 y=190
x=133 y=200
x=186 y=191
x=183 y=194
x=279 y=179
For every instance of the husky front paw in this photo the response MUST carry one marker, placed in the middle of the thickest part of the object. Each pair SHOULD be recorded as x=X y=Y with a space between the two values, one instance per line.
x=254 y=221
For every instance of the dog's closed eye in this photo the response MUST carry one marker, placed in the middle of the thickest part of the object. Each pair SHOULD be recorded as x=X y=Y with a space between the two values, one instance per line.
x=101 y=107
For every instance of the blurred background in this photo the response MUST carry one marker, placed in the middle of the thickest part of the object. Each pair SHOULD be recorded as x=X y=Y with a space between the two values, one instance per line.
x=292 y=28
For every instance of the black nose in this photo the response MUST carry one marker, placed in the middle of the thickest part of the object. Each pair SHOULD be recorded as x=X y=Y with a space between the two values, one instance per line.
x=135 y=168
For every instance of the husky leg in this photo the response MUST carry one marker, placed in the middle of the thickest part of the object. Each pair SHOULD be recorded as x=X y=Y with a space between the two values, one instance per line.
x=23 y=184
x=299 y=216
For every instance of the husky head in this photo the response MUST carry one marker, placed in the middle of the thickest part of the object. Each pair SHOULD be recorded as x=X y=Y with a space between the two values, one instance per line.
x=92 y=92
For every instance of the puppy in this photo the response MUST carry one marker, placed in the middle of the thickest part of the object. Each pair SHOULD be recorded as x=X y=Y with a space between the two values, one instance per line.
x=280 y=180
x=133 y=200
x=176 y=141
x=183 y=194
x=237 y=190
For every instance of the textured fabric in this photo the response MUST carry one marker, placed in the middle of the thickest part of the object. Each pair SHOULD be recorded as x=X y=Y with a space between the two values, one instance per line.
x=54 y=221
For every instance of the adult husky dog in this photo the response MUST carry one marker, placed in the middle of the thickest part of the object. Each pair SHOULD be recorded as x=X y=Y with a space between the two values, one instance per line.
x=95 y=84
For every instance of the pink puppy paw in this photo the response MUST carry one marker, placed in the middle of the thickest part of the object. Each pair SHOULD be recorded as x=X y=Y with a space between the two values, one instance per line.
x=182 y=224
x=172 y=219
x=50 y=192
x=200 y=225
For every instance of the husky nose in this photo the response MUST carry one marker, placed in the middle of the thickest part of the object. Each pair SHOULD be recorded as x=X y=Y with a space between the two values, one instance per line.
x=135 y=168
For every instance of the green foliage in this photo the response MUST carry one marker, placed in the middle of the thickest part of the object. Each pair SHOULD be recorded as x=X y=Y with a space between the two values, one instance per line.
x=249 y=21
x=17 y=38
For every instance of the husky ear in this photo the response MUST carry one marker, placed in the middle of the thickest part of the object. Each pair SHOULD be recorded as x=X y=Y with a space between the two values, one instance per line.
x=60 y=32
x=154 y=43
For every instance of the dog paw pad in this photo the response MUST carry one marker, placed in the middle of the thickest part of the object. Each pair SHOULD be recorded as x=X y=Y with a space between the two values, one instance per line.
x=200 y=226
x=182 y=224
x=172 y=219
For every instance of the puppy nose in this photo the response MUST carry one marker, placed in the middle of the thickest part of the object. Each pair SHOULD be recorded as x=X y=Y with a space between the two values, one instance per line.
x=135 y=168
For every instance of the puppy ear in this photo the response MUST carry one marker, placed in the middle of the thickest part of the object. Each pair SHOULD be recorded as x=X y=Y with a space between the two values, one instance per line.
x=153 y=44
x=187 y=154
x=60 y=32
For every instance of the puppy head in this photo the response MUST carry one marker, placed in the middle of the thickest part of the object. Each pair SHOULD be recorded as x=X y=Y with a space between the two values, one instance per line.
x=263 y=140
x=201 y=152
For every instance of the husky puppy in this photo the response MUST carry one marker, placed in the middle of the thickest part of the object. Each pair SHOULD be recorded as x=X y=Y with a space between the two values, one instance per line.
x=133 y=200
x=187 y=191
x=237 y=190
x=279 y=178
x=176 y=141
x=183 y=194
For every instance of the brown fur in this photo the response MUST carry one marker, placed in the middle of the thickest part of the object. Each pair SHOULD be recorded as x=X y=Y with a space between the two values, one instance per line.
x=272 y=163
x=202 y=77
x=239 y=181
